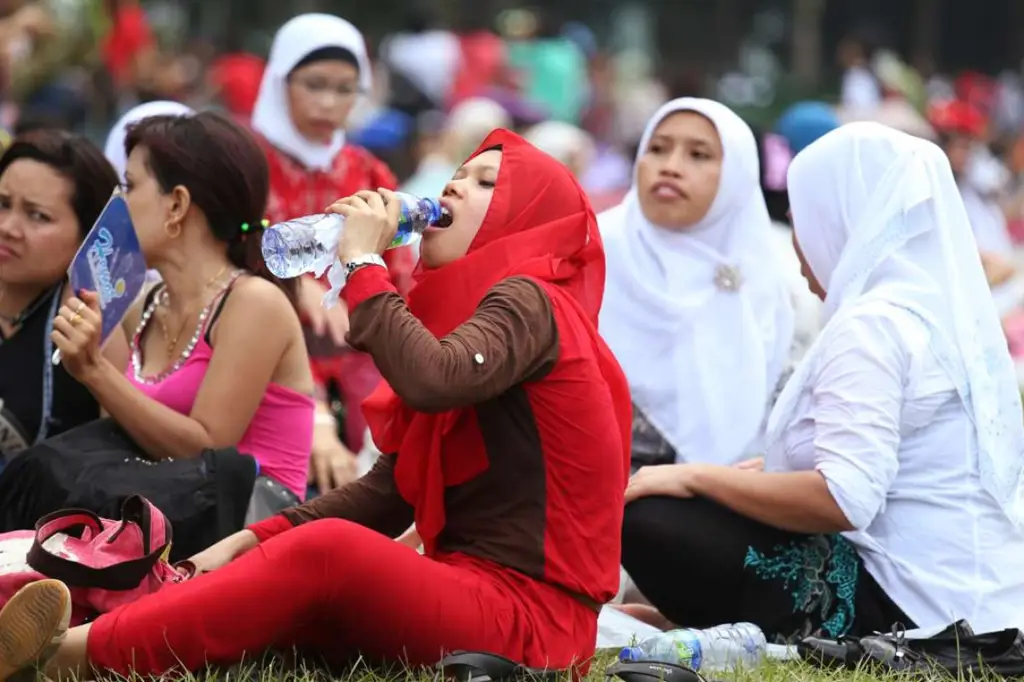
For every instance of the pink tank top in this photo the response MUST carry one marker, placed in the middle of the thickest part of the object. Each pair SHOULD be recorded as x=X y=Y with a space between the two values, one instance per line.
x=280 y=435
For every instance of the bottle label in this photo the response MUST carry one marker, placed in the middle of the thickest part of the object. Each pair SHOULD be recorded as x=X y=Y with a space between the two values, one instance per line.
x=689 y=651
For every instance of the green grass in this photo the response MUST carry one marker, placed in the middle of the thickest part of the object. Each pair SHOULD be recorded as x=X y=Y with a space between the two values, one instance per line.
x=790 y=671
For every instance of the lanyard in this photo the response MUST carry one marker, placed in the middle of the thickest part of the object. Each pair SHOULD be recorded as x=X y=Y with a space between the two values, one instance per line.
x=47 y=411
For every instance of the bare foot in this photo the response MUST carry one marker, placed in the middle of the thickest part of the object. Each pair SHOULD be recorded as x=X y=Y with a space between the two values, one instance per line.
x=32 y=626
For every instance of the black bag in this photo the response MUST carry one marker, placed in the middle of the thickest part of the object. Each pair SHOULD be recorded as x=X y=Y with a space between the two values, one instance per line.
x=97 y=466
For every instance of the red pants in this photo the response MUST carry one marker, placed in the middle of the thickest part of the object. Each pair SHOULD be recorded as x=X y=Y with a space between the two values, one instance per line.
x=337 y=589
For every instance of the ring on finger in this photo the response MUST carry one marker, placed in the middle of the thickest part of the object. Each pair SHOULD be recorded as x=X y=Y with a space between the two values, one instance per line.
x=75 y=319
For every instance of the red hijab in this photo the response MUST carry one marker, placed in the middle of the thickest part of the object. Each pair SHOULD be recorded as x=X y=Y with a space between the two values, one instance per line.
x=539 y=225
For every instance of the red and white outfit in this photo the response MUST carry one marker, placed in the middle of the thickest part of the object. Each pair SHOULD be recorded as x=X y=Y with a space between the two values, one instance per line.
x=306 y=177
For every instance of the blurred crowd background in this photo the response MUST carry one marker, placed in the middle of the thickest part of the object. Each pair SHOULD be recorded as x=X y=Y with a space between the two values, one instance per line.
x=590 y=71
x=597 y=63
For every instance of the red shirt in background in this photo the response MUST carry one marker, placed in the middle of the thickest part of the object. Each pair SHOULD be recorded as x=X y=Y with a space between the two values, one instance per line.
x=129 y=35
x=483 y=66
x=237 y=77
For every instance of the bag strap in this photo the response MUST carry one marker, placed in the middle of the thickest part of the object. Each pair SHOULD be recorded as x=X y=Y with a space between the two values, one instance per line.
x=126 y=575
x=66 y=519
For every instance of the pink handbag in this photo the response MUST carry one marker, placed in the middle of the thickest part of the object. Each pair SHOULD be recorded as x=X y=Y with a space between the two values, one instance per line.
x=105 y=563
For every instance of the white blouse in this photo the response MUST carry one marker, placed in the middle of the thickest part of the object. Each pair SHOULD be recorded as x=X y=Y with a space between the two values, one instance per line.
x=888 y=432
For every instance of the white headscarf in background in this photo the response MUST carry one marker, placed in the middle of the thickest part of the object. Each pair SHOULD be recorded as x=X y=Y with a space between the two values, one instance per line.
x=564 y=141
x=295 y=40
x=467 y=125
x=114 y=148
x=702 y=357
x=470 y=122
x=878 y=216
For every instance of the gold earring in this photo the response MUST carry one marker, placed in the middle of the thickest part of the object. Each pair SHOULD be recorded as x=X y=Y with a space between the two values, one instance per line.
x=173 y=235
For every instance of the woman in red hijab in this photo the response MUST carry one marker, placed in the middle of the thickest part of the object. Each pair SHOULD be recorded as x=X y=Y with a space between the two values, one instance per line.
x=510 y=420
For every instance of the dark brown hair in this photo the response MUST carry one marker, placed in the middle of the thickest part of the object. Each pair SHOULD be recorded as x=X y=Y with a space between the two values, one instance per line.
x=92 y=177
x=225 y=172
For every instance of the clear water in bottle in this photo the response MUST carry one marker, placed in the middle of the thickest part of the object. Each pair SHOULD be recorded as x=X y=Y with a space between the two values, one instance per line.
x=725 y=647
x=310 y=243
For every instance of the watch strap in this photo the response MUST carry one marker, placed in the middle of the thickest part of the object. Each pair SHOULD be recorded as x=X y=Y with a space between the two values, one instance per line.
x=362 y=261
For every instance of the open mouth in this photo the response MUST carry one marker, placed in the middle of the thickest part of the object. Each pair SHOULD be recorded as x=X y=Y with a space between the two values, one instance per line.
x=447 y=216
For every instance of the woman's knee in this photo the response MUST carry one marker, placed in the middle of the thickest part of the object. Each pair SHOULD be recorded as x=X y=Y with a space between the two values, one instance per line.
x=655 y=527
x=643 y=522
x=327 y=541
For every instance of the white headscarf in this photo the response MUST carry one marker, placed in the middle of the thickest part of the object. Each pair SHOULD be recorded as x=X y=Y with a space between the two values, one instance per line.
x=562 y=140
x=878 y=217
x=295 y=40
x=701 y=359
x=114 y=148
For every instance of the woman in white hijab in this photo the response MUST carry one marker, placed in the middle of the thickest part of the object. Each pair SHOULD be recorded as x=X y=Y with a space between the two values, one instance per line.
x=114 y=148
x=695 y=308
x=892 y=486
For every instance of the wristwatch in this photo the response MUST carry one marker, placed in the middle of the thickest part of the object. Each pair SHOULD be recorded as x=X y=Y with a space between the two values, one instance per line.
x=362 y=261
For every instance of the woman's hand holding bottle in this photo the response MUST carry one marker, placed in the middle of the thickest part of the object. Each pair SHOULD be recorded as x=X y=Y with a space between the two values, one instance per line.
x=371 y=221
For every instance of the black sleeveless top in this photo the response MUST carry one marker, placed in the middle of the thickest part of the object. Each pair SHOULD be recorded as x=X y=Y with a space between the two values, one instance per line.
x=25 y=371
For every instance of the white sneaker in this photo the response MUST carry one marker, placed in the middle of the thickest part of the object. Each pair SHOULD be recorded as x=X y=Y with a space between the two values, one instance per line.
x=32 y=626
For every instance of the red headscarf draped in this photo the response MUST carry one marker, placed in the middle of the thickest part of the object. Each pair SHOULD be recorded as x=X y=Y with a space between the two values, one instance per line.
x=539 y=225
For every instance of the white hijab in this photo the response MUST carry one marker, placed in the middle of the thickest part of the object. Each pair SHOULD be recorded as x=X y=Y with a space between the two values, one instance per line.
x=295 y=40
x=114 y=148
x=878 y=217
x=702 y=359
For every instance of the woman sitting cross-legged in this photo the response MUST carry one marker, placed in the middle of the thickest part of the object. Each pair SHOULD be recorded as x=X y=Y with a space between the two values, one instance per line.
x=508 y=421
x=891 y=489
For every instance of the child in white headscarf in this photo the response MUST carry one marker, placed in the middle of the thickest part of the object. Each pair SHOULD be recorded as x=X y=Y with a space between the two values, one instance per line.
x=892 y=485
x=695 y=308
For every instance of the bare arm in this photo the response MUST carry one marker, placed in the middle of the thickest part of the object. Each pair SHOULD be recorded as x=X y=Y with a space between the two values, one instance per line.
x=254 y=331
x=857 y=405
x=798 y=502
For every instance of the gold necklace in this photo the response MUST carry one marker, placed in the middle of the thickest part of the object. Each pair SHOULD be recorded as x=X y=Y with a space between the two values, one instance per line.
x=172 y=343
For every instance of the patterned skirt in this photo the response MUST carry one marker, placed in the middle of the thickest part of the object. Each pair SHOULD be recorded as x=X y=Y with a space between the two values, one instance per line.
x=702 y=565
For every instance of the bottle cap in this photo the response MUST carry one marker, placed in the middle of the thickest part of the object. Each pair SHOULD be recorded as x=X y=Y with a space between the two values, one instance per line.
x=631 y=654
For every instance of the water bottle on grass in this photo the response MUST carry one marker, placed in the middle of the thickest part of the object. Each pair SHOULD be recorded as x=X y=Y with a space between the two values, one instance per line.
x=724 y=647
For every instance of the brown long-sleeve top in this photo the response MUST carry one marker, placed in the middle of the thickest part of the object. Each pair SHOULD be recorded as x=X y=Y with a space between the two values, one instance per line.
x=512 y=338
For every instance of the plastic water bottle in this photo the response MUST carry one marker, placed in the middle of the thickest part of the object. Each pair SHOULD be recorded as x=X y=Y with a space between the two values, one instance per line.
x=724 y=647
x=310 y=243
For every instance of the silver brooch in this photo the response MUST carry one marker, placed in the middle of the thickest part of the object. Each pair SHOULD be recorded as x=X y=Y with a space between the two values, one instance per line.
x=728 y=278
